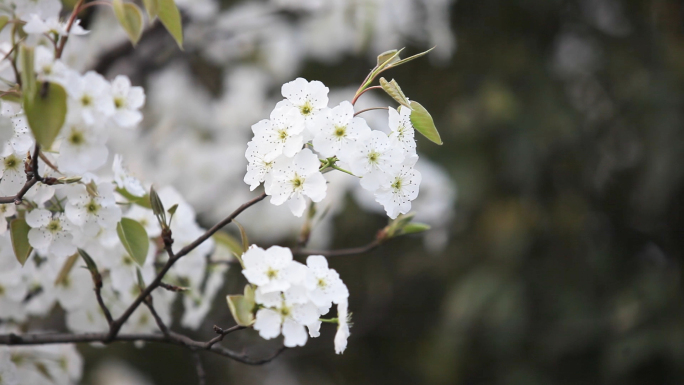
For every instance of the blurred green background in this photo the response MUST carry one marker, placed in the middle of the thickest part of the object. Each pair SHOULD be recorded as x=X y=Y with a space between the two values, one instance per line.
x=563 y=129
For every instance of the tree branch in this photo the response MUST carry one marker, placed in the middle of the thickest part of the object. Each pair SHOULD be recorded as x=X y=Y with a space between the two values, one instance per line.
x=340 y=252
x=116 y=325
x=172 y=338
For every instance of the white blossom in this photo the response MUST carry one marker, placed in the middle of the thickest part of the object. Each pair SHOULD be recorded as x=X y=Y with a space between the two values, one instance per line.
x=50 y=234
x=92 y=212
x=124 y=180
x=310 y=99
x=337 y=130
x=127 y=102
x=36 y=25
x=325 y=285
x=396 y=195
x=402 y=128
x=295 y=179
x=282 y=134
x=83 y=147
x=12 y=173
x=287 y=318
x=342 y=328
x=373 y=158
x=272 y=269
x=90 y=97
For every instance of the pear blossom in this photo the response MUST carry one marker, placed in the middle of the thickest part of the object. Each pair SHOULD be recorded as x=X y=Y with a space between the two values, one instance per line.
x=337 y=130
x=92 y=212
x=310 y=99
x=6 y=210
x=272 y=269
x=127 y=102
x=260 y=164
x=287 y=318
x=36 y=25
x=324 y=283
x=342 y=328
x=89 y=97
x=83 y=147
x=402 y=128
x=12 y=172
x=22 y=140
x=282 y=134
x=50 y=234
x=124 y=180
x=42 y=8
x=295 y=179
x=373 y=158
x=47 y=68
x=396 y=195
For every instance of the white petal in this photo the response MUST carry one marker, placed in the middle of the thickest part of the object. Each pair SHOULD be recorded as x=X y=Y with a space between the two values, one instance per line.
x=294 y=333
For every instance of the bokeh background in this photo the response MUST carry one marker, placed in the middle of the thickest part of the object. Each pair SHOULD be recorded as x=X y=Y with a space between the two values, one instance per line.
x=557 y=197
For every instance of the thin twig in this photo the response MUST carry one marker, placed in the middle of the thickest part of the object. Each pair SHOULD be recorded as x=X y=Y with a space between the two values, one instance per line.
x=222 y=333
x=364 y=91
x=160 y=323
x=116 y=325
x=172 y=338
x=371 y=109
x=105 y=309
x=70 y=23
x=201 y=375
x=340 y=252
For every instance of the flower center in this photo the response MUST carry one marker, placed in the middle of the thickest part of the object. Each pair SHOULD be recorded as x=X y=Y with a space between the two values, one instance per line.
x=373 y=157
x=340 y=131
x=397 y=184
x=119 y=102
x=86 y=100
x=271 y=273
x=282 y=134
x=54 y=226
x=76 y=138
x=297 y=182
x=285 y=311
x=92 y=207
x=306 y=109
x=322 y=283
x=11 y=162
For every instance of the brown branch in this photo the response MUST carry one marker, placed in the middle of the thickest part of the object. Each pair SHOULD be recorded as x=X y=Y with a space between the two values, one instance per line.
x=222 y=333
x=173 y=258
x=340 y=252
x=201 y=375
x=172 y=338
x=105 y=309
x=70 y=23
x=160 y=323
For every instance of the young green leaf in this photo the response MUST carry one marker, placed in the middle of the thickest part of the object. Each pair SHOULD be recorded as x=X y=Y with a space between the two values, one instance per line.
x=141 y=280
x=3 y=21
x=423 y=123
x=157 y=207
x=134 y=238
x=414 y=228
x=130 y=18
x=46 y=110
x=143 y=201
x=408 y=59
x=387 y=55
x=226 y=241
x=243 y=236
x=90 y=264
x=242 y=309
x=28 y=75
x=66 y=269
x=170 y=16
x=152 y=8
x=392 y=88
x=19 y=232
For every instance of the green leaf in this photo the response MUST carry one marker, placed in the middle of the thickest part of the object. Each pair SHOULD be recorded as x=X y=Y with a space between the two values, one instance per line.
x=19 y=230
x=141 y=280
x=3 y=21
x=414 y=228
x=28 y=75
x=143 y=201
x=173 y=209
x=398 y=223
x=392 y=88
x=66 y=269
x=134 y=238
x=152 y=8
x=386 y=56
x=130 y=18
x=170 y=16
x=227 y=241
x=423 y=123
x=46 y=110
x=408 y=59
x=90 y=264
x=243 y=236
x=157 y=207
x=242 y=307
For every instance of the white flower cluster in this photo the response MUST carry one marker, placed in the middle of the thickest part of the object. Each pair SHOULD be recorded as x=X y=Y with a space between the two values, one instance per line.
x=292 y=296
x=281 y=156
